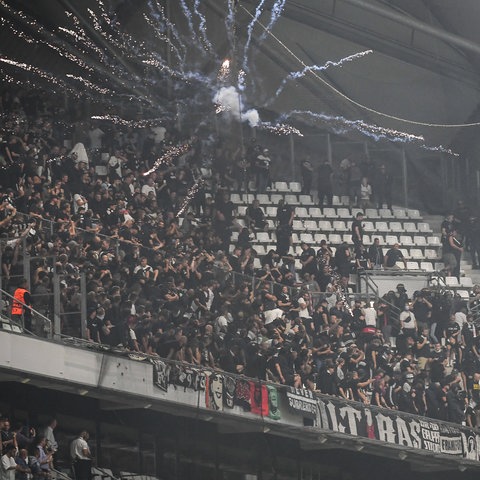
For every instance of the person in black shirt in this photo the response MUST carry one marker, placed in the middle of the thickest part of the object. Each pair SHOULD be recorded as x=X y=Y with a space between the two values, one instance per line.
x=325 y=183
x=375 y=254
x=307 y=259
x=357 y=230
x=393 y=256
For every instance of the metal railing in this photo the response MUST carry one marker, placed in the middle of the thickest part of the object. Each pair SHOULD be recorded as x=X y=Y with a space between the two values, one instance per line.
x=47 y=323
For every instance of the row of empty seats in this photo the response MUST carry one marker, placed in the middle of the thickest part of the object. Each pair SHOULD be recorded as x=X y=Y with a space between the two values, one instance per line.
x=421 y=243
x=305 y=207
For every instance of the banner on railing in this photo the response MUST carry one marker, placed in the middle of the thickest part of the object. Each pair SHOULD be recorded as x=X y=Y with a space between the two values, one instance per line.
x=220 y=391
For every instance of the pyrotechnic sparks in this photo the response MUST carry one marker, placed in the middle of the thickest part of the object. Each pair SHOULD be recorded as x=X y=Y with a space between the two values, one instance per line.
x=251 y=25
x=224 y=71
x=275 y=15
x=341 y=125
x=202 y=26
x=129 y=123
x=280 y=129
x=319 y=68
x=188 y=16
x=191 y=194
x=168 y=157
x=88 y=84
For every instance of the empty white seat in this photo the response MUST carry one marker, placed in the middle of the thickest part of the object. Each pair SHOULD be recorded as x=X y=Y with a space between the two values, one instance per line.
x=298 y=265
x=345 y=200
x=301 y=212
x=404 y=253
x=336 y=200
x=367 y=240
x=369 y=227
x=400 y=213
x=339 y=226
x=431 y=254
x=271 y=247
x=295 y=187
x=451 y=281
x=335 y=239
x=248 y=198
x=466 y=282
x=433 y=241
x=416 y=254
x=382 y=227
x=263 y=198
x=298 y=250
x=395 y=227
x=234 y=237
x=406 y=240
x=391 y=240
x=400 y=265
x=306 y=237
x=241 y=209
x=413 y=213
x=324 y=226
x=315 y=212
x=241 y=222
x=343 y=212
x=235 y=198
x=298 y=225
x=260 y=249
x=355 y=211
x=271 y=212
x=305 y=200
x=420 y=240
x=311 y=225
x=371 y=213
x=426 y=266
x=275 y=198
x=256 y=263
x=291 y=199
x=424 y=227
x=330 y=212
x=464 y=294
x=385 y=213
x=410 y=227
x=263 y=237
x=412 y=266
x=281 y=186
x=295 y=238
x=318 y=237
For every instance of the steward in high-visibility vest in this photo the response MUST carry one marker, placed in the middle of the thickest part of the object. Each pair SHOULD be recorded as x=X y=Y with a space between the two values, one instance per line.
x=20 y=303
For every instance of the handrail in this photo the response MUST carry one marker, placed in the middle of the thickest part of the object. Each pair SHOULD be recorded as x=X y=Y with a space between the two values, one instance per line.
x=36 y=312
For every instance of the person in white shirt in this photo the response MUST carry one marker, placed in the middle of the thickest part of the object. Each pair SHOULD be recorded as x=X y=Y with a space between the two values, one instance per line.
x=370 y=316
x=81 y=456
x=8 y=465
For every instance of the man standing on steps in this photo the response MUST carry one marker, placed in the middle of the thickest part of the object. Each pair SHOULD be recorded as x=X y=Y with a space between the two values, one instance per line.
x=81 y=457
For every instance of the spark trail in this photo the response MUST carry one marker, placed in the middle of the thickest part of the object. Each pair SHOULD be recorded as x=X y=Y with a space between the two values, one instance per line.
x=251 y=25
x=277 y=10
x=317 y=68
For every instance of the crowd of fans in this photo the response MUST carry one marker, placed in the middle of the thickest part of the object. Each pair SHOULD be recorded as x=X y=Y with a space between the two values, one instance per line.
x=174 y=285
x=27 y=453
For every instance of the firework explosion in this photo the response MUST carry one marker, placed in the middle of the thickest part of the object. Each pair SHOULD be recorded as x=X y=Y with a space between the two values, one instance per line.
x=158 y=70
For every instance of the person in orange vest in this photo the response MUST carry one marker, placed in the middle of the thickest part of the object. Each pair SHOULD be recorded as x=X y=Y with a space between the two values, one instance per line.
x=22 y=300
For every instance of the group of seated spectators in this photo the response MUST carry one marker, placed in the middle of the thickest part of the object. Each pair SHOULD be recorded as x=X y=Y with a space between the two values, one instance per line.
x=25 y=453
x=161 y=278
